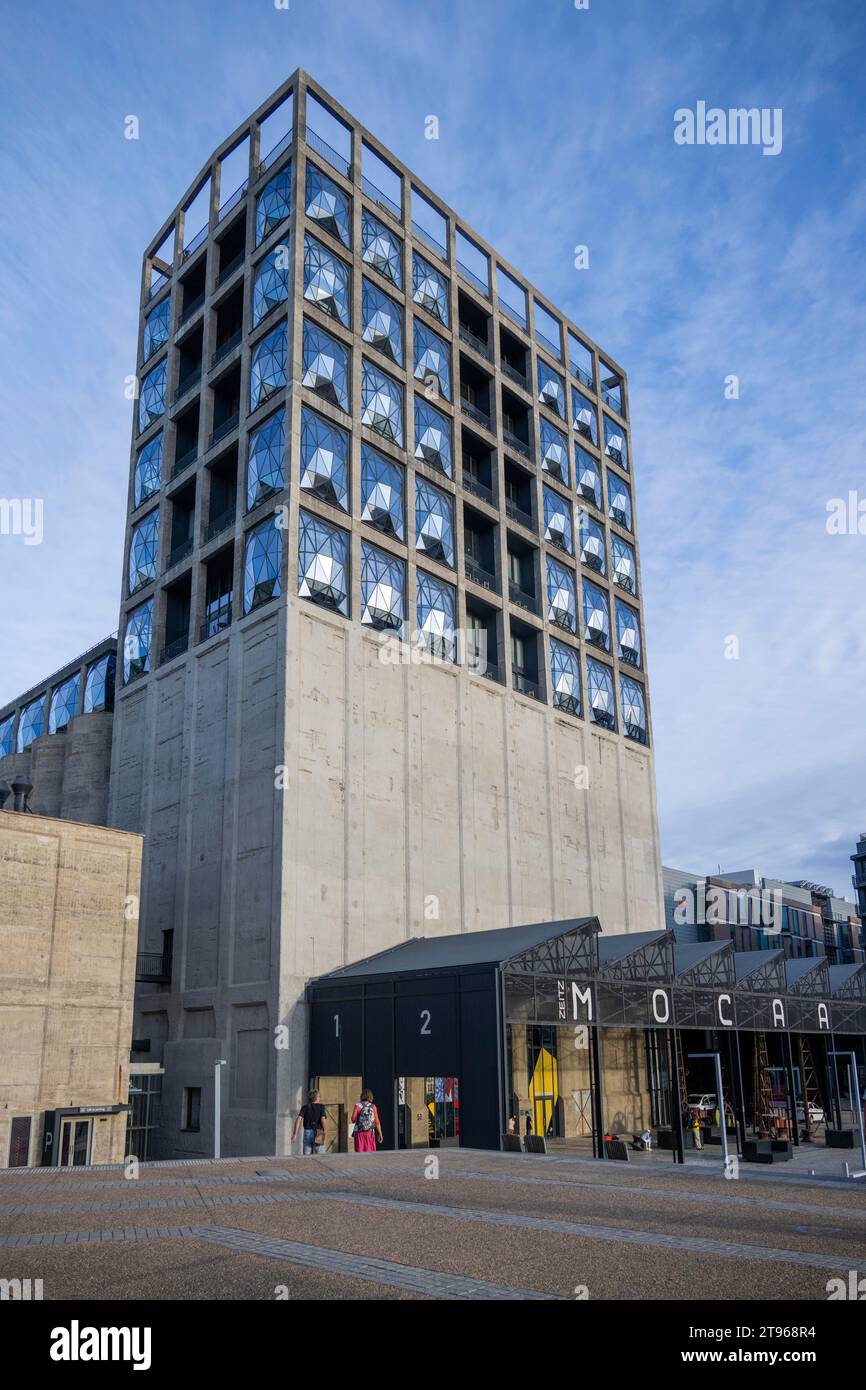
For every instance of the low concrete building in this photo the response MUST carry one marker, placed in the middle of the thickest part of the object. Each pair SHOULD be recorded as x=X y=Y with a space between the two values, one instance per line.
x=68 y=932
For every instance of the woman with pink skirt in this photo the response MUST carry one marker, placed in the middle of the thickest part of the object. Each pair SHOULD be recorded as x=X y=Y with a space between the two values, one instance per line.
x=366 y=1126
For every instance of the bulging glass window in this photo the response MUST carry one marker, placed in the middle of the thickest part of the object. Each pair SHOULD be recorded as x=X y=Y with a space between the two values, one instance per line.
x=326 y=281
x=148 y=470
x=151 y=401
x=627 y=634
x=99 y=684
x=615 y=445
x=618 y=501
x=633 y=706
x=381 y=492
x=561 y=602
x=265 y=459
x=64 y=703
x=623 y=562
x=591 y=543
x=433 y=437
x=602 y=708
x=554 y=452
x=432 y=360
x=325 y=366
x=596 y=616
x=327 y=204
x=382 y=588
x=434 y=522
x=137 y=640
x=324 y=459
x=31 y=723
x=156 y=328
x=565 y=677
x=274 y=203
x=429 y=288
x=142 y=551
x=323 y=563
x=381 y=249
x=551 y=389
x=558 y=528
x=583 y=415
x=435 y=606
x=7 y=735
x=381 y=322
x=262 y=564
x=271 y=283
x=268 y=367
x=587 y=480
x=381 y=403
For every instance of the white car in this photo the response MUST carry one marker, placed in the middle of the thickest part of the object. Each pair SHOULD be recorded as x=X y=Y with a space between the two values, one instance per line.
x=705 y=1102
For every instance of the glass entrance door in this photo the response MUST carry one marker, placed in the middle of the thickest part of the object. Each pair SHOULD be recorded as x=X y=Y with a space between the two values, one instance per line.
x=75 y=1143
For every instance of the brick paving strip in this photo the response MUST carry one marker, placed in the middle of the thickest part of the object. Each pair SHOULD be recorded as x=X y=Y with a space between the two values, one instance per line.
x=617 y=1235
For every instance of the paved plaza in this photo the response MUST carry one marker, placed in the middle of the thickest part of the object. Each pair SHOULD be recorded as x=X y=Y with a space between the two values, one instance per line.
x=457 y=1224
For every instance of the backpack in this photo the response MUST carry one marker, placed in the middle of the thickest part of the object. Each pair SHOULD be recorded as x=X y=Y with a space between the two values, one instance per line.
x=365 y=1120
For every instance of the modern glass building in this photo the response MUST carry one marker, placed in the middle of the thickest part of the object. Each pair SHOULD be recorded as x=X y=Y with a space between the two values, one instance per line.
x=382 y=634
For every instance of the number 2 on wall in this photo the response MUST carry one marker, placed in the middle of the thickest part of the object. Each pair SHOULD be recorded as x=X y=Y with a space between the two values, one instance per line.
x=425 y=1023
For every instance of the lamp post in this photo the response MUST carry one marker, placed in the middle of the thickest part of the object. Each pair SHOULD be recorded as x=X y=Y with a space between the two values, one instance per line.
x=855 y=1103
x=217 y=1085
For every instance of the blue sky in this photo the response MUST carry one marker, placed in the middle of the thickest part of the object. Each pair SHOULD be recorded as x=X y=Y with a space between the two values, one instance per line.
x=556 y=129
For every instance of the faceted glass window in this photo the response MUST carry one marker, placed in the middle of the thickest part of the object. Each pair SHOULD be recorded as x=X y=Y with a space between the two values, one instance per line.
x=99 y=685
x=64 y=704
x=382 y=587
x=583 y=415
x=265 y=466
x=627 y=634
x=433 y=437
x=591 y=537
x=554 y=452
x=31 y=723
x=323 y=563
x=262 y=564
x=435 y=611
x=624 y=566
x=381 y=321
x=381 y=249
x=565 y=677
x=7 y=732
x=324 y=455
x=271 y=283
x=151 y=402
x=381 y=492
x=587 y=480
x=599 y=679
x=142 y=551
x=557 y=521
x=268 y=367
x=136 y=642
x=618 y=501
x=551 y=389
x=615 y=445
x=429 y=288
x=327 y=204
x=561 y=602
x=434 y=522
x=325 y=366
x=156 y=327
x=274 y=203
x=432 y=360
x=381 y=403
x=148 y=470
x=326 y=281
x=596 y=616
x=633 y=706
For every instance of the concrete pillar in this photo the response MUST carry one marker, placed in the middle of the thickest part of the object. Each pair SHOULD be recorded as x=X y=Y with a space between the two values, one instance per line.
x=85 y=775
x=48 y=754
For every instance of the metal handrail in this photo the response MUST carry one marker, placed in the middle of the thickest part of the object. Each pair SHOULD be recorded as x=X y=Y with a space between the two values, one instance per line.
x=474 y=485
x=517 y=444
x=583 y=377
x=474 y=413
x=233 y=201
x=175 y=648
x=231 y=267
x=198 y=240
x=514 y=375
x=521 y=597
x=549 y=344
x=339 y=161
x=524 y=685
x=381 y=199
x=429 y=240
x=518 y=514
x=223 y=349
x=153 y=967
x=473 y=279
x=217 y=622
x=478 y=344
x=274 y=154
x=479 y=575
x=180 y=552
x=186 y=384
x=218 y=524
x=189 y=309
x=511 y=313
x=184 y=461
x=225 y=428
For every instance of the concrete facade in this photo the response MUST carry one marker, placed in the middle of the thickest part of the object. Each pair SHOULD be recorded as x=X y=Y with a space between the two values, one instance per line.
x=305 y=799
x=68 y=929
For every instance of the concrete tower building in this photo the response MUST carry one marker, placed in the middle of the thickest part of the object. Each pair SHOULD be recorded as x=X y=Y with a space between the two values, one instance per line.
x=382 y=634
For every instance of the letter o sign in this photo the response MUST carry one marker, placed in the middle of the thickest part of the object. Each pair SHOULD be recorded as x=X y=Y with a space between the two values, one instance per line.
x=660 y=995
